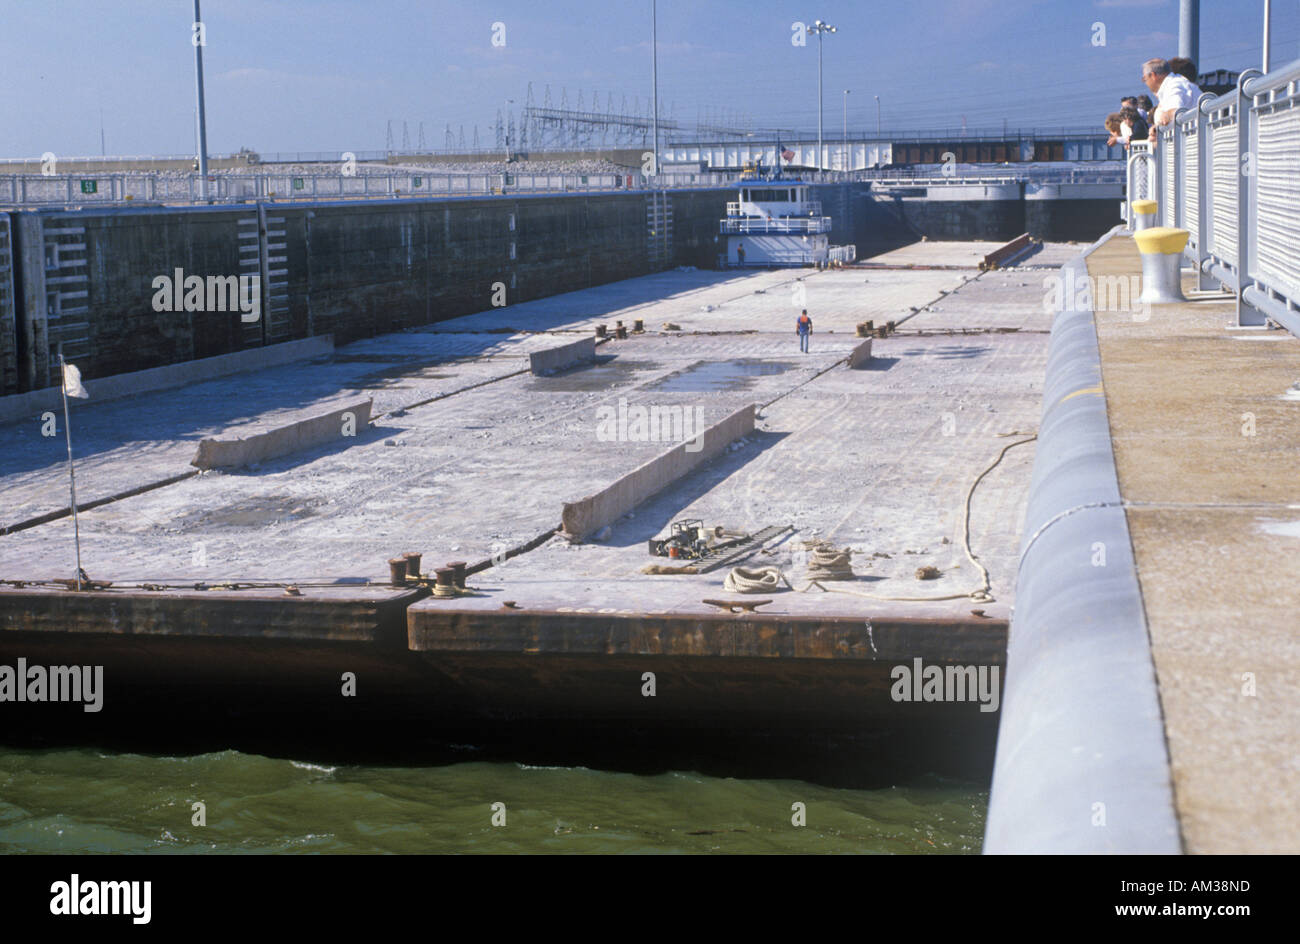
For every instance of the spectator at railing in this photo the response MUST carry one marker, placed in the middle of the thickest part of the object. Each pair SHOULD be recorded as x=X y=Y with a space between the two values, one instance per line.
x=1133 y=126
x=1140 y=105
x=1172 y=92
x=1115 y=128
x=1184 y=67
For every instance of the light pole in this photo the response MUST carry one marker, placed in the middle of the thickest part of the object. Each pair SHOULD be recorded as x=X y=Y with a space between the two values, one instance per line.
x=846 y=129
x=877 y=97
x=820 y=29
x=1268 y=23
x=654 y=80
x=199 y=118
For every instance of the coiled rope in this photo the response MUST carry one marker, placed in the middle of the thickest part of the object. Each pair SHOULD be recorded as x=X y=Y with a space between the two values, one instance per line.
x=827 y=563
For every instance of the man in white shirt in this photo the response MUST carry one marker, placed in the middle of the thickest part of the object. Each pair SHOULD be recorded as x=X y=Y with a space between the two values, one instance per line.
x=1172 y=91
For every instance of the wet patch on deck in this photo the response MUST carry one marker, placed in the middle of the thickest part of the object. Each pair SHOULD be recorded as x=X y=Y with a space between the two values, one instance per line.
x=713 y=376
x=607 y=373
x=257 y=512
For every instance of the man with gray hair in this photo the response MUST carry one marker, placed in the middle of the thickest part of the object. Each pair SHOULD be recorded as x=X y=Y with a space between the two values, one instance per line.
x=1172 y=92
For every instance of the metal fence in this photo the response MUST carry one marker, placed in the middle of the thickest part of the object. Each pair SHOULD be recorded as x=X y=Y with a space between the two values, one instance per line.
x=86 y=189
x=1228 y=171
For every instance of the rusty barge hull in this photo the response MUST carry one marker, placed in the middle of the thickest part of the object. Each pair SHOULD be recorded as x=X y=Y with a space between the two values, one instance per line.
x=411 y=655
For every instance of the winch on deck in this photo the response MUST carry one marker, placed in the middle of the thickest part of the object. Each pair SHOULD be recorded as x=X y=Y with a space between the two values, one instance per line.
x=713 y=547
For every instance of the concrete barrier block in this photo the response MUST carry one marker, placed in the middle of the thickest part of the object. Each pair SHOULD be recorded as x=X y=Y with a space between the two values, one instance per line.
x=261 y=442
x=581 y=518
x=861 y=355
x=566 y=355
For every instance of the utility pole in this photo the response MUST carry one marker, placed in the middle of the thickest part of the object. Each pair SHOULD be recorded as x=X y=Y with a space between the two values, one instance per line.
x=199 y=39
x=505 y=128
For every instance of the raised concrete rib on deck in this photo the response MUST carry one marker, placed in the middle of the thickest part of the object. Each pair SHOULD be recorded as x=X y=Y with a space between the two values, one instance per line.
x=1207 y=447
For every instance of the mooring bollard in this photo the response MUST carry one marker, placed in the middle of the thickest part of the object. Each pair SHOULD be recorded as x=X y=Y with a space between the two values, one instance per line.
x=412 y=559
x=458 y=573
x=638 y=326
x=1162 y=253
x=397 y=571
x=601 y=331
x=445 y=586
x=620 y=331
x=1144 y=214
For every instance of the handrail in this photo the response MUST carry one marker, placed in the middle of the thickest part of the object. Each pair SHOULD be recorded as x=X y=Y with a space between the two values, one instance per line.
x=1220 y=170
x=1257 y=85
x=1217 y=103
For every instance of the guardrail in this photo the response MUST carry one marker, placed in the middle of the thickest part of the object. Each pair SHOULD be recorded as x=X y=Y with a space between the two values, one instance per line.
x=1228 y=171
x=812 y=208
x=1137 y=178
x=792 y=224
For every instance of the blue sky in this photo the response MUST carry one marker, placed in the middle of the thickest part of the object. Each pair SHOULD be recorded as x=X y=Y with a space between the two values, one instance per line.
x=287 y=75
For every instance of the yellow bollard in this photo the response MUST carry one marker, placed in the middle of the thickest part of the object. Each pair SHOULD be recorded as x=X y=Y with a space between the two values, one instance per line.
x=1162 y=253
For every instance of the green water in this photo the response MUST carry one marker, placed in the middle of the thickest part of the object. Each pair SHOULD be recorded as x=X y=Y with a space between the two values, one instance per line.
x=79 y=800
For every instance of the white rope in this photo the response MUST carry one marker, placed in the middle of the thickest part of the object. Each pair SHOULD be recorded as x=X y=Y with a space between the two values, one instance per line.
x=758 y=580
x=827 y=563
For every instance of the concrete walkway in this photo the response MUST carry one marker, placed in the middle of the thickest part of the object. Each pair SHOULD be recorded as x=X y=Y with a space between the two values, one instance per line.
x=1207 y=448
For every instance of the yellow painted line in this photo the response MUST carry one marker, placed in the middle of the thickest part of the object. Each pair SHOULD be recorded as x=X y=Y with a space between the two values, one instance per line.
x=1079 y=393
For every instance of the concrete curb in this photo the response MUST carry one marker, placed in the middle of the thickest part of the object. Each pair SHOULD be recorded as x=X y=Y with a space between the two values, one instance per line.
x=282 y=440
x=23 y=406
x=582 y=351
x=582 y=517
x=1082 y=765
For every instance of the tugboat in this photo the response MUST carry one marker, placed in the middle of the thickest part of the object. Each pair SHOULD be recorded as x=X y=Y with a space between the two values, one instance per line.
x=773 y=222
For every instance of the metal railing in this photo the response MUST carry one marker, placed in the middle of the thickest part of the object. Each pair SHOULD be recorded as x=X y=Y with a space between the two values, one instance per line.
x=792 y=224
x=1228 y=171
x=813 y=208
x=1139 y=177
x=116 y=188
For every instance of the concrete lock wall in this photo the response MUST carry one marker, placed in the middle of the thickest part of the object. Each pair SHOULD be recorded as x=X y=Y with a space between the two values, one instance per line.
x=1053 y=213
x=261 y=442
x=585 y=516
x=349 y=268
x=566 y=355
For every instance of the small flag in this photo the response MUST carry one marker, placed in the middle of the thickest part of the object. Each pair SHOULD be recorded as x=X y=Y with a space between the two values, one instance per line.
x=72 y=382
